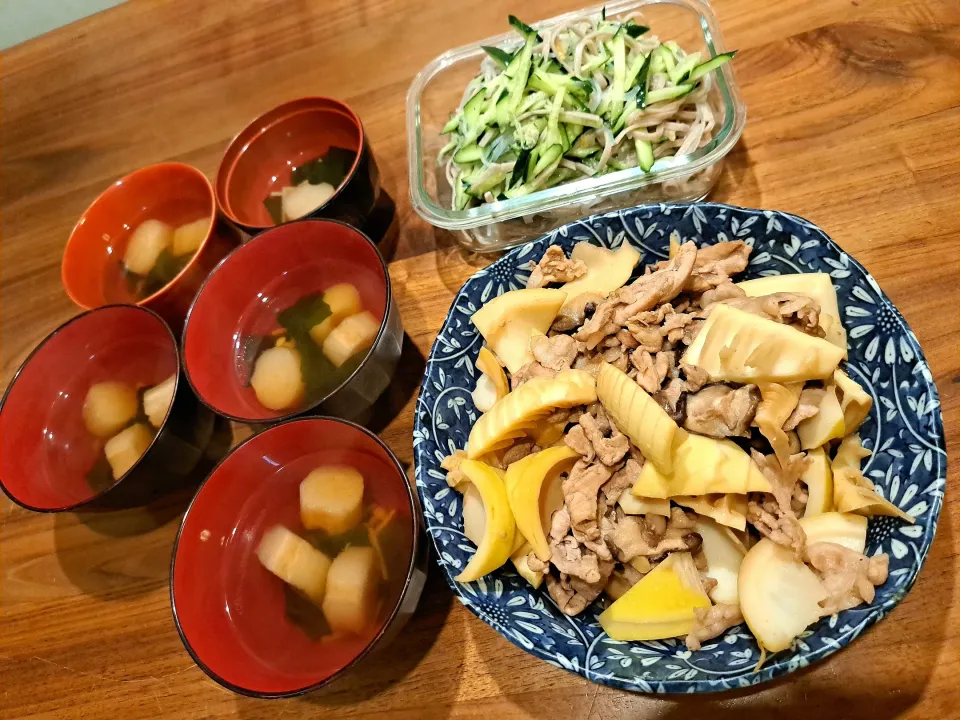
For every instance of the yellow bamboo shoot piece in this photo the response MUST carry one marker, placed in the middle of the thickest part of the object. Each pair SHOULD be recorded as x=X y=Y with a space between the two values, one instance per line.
x=844 y=529
x=124 y=449
x=354 y=334
x=607 y=270
x=661 y=605
x=852 y=492
x=727 y=509
x=295 y=561
x=818 y=286
x=537 y=494
x=497 y=543
x=507 y=321
x=276 y=379
x=343 y=299
x=520 y=562
x=828 y=424
x=818 y=478
x=639 y=417
x=156 y=400
x=779 y=595
x=736 y=346
x=109 y=406
x=854 y=401
x=519 y=411
x=702 y=466
x=331 y=499
x=353 y=590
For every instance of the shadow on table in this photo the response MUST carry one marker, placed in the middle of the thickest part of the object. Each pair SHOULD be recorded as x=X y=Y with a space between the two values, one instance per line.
x=376 y=680
x=738 y=182
x=126 y=552
x=405 y=384
x=883 y=675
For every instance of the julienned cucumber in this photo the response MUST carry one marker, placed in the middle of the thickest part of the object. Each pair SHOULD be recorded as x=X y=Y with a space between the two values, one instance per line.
x=667 y=93
x=530 y=109
x=644 y=154
x=710 y=65
x=502 y=57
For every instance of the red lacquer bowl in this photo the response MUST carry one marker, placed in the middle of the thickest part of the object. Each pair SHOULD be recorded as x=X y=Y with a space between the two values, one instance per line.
x=171 y=192
x=231 y=613
x=240 y=300
x=46 y=453
x=259 y=159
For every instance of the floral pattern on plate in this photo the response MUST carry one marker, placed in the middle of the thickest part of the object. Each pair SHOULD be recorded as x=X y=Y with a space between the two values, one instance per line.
x=904 y=429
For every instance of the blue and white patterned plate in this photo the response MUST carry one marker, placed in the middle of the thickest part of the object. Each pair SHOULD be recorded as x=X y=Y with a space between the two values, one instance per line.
x=905 y=431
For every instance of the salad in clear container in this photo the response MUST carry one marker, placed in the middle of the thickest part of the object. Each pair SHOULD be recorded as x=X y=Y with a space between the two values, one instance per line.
x=594 y=110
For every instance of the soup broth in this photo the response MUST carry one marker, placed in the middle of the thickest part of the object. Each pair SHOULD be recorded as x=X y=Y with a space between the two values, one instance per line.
x=385 y=518
x=308 y=345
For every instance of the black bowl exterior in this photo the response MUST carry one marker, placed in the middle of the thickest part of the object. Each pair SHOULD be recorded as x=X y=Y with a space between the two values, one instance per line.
x=356 y=198
x=354 y=399
x=188 y=444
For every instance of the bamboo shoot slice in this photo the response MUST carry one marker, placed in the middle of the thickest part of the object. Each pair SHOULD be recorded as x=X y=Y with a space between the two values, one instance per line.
x=536 y=494
x=639 y=417
x=736 y=346
x=520 y=409
x=828 y=424
x=728 y=509
x=497 y=543
x=607 y=270
x=779 y=595
x=724 y=554
x=661 y=605
x=702 y=466
x=818 y=286
x=633 y=505
x=844 y=529
x=156 y=400
x=506 y=322
x=818 y=477
x=854 y=401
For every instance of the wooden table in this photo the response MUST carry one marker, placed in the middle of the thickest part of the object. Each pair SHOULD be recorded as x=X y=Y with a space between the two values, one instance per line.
x=853 y=122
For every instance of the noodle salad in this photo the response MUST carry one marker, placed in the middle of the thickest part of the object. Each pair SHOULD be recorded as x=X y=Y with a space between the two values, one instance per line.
x=580 y=99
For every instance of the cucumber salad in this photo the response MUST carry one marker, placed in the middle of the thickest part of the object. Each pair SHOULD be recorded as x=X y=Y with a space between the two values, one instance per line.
x=580 y=99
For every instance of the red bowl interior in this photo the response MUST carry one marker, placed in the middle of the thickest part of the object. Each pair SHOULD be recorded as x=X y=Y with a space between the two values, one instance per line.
x=173 y=193
x=231 y=612
x=260 y=158
x=45 y=450
x=244 y=294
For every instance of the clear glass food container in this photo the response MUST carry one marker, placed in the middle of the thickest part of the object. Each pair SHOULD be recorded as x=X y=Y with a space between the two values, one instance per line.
x=438 y=89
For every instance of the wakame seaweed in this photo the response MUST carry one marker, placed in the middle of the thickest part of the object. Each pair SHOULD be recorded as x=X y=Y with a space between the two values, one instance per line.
x=331 y=168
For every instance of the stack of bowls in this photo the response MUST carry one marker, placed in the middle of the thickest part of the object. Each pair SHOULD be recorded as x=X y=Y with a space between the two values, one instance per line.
x=228 y=609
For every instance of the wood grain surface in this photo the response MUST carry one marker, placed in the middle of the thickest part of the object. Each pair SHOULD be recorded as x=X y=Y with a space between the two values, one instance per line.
x=853 y=122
